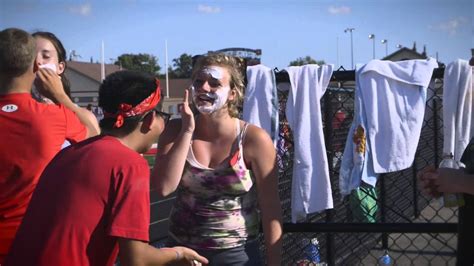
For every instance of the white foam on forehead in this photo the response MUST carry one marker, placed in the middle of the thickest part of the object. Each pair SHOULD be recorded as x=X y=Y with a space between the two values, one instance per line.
x=214 y=71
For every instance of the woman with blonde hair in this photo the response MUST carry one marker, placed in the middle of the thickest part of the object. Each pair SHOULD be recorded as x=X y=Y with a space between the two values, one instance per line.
x=223 y=169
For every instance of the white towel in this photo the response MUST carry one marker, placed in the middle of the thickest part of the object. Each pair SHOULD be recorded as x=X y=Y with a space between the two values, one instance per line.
x=261 y=100
x=311 y=188
x=458 y=124
x=394 y=95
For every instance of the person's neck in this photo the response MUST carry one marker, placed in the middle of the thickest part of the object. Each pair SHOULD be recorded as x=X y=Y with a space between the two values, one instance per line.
x=21 y=84
x=133 y=141
x=215 y=125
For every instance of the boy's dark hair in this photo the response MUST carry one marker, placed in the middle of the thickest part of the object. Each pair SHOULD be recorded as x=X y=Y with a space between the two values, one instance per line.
x=61 y=56
x=17 y=52
x=130 y=87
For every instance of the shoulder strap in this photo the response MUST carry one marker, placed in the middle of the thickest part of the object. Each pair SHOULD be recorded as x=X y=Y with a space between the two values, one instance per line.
x=242 y=134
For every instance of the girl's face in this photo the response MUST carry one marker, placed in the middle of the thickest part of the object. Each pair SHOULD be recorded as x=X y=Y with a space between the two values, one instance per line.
x=46 y=53
x=210 y=89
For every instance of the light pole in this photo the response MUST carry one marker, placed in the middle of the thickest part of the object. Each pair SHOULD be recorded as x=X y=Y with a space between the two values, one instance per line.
x=372 y=37
x=352 y=48
x=385 y=41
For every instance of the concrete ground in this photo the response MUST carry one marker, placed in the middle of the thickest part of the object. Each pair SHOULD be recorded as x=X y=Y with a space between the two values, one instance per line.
x=422 y=249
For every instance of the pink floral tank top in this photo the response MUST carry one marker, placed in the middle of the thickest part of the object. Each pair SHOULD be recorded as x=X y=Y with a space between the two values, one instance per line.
x=216 y=208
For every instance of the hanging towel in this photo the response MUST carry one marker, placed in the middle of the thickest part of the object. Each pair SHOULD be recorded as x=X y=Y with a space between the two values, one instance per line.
x=311 y=187
x=458 y=124
x=390 y=102
x=261 y=100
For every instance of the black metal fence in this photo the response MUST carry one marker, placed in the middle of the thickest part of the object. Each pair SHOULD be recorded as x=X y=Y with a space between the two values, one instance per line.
x=414 y=230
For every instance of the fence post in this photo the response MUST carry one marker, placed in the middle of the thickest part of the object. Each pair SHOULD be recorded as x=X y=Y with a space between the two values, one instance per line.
x=328 y=139
x=416 y=212
x=435 y=128
x=382 y=209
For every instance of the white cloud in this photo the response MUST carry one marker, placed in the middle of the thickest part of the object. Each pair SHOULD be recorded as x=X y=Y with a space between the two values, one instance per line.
x=209 y=9
x=339 y=10
x=451 y=26
x=83 y=10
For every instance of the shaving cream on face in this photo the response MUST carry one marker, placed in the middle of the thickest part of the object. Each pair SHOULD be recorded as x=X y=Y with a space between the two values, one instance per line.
x=219 y=98
x=50 y=66
x=34 y=91
x=213 y=71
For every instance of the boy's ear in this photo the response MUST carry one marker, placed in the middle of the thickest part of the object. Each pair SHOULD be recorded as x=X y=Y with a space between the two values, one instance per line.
x=148 y=122
x=35 y=66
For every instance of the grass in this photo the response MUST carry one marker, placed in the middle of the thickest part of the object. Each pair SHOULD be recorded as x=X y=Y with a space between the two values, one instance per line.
x=150 y=159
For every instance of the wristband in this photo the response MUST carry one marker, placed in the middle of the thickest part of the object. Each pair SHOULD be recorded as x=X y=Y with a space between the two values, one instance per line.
x=178 y=254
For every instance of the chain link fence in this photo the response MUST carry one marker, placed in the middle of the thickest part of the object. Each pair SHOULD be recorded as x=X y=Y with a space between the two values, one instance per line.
x=413 y=229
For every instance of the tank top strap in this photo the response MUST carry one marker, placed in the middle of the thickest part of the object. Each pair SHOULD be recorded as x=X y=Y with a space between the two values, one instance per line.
x=242 y=134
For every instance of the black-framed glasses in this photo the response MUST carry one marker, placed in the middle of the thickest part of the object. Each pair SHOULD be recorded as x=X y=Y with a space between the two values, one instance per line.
x=166 y=116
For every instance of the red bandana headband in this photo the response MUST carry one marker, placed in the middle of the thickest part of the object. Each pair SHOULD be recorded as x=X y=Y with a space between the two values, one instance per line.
x=126 y=110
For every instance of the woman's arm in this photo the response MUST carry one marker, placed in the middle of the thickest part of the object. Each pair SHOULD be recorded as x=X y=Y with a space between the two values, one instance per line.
x=173 y=147
x=51 y=87
x=260 y=154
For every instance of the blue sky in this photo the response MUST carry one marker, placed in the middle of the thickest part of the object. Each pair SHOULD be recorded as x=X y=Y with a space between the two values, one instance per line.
x=283 y=29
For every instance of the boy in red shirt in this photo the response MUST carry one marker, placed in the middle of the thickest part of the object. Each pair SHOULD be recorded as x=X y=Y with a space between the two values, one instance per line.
x=31 y=133
x=92 y=200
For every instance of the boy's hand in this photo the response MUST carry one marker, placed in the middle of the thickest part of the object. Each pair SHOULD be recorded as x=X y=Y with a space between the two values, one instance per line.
x=190 y=257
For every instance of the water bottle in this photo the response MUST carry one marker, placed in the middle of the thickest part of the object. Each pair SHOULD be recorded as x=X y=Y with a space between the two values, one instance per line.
x=312 y=253
x=451 y=199
x=385 y=259
x=311 y=250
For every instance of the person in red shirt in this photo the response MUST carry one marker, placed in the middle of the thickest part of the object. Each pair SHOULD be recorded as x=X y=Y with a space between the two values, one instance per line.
x=31 y=133
x=103 y=205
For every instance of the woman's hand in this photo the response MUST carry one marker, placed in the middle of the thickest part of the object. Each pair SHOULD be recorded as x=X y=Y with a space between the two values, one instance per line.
x=49 y=84
x=187 y=116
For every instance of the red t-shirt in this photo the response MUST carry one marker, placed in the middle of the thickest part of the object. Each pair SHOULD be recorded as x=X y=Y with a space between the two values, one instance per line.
x=31 y=134
x=90 y=194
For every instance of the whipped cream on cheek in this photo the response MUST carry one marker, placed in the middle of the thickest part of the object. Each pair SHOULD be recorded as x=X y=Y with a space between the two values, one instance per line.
x=219 y=98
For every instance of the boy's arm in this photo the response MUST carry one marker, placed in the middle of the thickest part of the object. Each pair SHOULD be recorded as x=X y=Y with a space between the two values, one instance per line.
x=134 y=252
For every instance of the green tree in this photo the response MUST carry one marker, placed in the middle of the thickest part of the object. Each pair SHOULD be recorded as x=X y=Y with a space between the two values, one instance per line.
x=306 y=60
x=139 y=62
x=182 y=66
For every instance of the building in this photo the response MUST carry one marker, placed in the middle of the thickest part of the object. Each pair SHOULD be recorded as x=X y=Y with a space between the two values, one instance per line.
x=405 y=53
x=85 y=81
x=251 y=55
x=176 y=94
